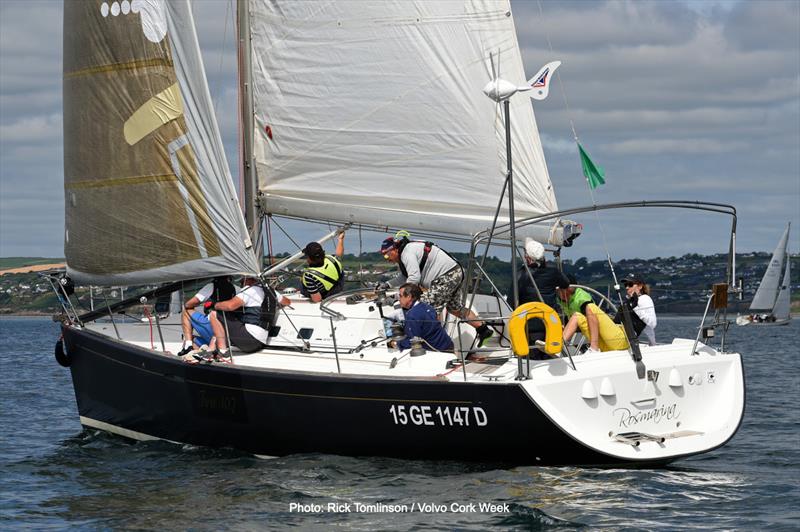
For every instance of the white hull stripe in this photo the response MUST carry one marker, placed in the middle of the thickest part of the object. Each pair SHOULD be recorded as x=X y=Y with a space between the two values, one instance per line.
x=132 y=434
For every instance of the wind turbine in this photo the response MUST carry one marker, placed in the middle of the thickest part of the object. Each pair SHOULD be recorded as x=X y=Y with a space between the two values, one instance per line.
x=501 y=90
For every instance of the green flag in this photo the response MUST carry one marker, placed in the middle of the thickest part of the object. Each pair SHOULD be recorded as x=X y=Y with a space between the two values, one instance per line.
x=594 y=174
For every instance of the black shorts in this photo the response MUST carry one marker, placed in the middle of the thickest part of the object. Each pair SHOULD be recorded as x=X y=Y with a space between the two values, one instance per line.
x=240 y=338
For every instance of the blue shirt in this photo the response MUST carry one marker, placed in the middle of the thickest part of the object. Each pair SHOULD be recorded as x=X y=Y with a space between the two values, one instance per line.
x=421 y=321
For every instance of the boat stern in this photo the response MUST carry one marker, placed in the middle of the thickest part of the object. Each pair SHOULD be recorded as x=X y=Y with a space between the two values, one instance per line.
x=686 y=404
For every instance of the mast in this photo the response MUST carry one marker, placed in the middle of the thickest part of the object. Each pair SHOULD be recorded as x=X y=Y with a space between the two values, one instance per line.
x=246 y=109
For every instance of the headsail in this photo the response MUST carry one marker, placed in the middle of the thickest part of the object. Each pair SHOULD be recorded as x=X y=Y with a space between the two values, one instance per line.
x=767 y=292
x=372 y=112
x=148 y=195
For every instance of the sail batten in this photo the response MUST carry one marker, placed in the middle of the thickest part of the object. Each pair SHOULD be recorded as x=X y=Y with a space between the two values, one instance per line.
x=148 y=195
x=377 y=108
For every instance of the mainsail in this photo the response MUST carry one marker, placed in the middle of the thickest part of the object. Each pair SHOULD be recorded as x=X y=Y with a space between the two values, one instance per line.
x=148 y=194
x=782 y=309
x=767 y=293
x=372 y=112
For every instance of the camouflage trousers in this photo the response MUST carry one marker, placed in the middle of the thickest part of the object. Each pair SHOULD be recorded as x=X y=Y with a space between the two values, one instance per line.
x=445 y=291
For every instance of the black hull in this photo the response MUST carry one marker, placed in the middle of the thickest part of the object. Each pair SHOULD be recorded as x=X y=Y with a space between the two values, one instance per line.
x=278 y=413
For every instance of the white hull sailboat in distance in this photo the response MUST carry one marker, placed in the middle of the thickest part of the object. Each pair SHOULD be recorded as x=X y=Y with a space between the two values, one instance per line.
x=388 y=130
x=772 y=303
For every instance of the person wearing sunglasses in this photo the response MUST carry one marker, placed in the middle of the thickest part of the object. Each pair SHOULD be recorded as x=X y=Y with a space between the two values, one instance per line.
x=642 y=304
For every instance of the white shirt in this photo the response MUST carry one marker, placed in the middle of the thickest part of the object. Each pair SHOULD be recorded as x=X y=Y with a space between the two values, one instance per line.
x=646 y=310
x=253 y=296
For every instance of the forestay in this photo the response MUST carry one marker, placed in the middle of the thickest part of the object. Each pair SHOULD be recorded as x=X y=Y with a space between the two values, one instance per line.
x=148 y=193
x=372 y=112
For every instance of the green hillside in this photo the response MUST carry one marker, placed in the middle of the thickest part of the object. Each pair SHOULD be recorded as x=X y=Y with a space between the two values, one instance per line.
x=7 y=263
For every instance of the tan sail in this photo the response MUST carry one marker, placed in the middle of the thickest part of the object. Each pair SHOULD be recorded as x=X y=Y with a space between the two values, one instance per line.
x=139 y=202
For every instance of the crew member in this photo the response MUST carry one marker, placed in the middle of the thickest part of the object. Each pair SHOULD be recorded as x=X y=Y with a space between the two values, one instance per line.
x=249 y=328
x=219 y=289
x=547 y=279
x=421 y=321
x=436 y=272
x=603 y=334
x=323 y=276
x=642 y=304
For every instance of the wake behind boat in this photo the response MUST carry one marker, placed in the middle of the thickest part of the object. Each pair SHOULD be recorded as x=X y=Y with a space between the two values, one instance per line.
x=771 y=304
x=383 y=131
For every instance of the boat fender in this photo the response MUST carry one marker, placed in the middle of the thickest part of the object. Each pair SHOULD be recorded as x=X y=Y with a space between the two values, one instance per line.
x=517 y=328
x=61 y=356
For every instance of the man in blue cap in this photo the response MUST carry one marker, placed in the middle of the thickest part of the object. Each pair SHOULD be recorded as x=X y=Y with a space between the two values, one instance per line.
x=436 y=272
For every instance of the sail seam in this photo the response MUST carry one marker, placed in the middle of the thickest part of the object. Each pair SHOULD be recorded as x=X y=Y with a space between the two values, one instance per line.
x=121 y=181
x=118 y=67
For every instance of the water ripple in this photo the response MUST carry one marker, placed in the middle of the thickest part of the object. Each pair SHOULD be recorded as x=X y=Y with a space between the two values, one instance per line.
x=57 y=475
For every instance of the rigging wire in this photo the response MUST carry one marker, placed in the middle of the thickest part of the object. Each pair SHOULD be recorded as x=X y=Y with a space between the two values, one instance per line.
x=299 y=248
x=222 y=55
x=269 y=240
x=575 y=137
x=360 y=256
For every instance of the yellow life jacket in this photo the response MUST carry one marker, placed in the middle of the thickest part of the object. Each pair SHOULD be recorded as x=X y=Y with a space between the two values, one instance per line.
x=329 y=274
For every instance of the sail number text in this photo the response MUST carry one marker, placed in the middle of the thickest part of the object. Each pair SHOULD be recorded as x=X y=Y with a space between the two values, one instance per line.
x=445 y=416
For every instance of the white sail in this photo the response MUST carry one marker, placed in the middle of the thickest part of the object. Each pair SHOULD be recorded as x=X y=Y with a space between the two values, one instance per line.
x=767 y=292
x=782 y=309
x=148 y=193
x=372 y=112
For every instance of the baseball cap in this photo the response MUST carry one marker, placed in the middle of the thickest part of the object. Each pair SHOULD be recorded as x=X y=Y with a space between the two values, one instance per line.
x=632 y=279
x=387 y=244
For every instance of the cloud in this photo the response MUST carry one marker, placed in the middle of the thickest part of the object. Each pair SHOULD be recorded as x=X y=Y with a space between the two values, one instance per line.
x=42 y=129
x=671 y=146
x=696 y=99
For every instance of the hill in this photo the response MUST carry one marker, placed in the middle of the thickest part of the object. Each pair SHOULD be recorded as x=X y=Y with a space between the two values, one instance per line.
x=678 y=284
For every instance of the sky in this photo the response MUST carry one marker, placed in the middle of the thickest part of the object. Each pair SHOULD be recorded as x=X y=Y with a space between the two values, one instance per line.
x=690 y=100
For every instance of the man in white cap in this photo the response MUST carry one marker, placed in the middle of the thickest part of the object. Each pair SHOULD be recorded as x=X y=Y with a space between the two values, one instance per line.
x=547 y=279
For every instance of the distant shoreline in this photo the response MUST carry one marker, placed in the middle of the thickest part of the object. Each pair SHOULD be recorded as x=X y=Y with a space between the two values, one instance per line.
x=30 y=314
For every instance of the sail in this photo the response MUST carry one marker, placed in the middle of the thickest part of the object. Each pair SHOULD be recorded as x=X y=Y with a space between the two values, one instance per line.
x=148 y=194
x=782 y=309
x=372 y=112
x=767 y=292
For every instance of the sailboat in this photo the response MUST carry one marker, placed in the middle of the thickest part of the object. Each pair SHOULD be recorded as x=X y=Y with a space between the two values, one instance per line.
x=771 y=304
x=366 y=115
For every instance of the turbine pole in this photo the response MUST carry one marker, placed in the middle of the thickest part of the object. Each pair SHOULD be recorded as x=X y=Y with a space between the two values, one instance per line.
x=512 y=228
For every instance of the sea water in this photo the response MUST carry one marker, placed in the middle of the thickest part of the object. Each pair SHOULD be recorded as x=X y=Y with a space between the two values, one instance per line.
x=54 y=474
